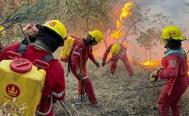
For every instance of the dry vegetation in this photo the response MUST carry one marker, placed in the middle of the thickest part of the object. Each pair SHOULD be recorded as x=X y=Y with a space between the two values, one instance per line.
x=119 y=95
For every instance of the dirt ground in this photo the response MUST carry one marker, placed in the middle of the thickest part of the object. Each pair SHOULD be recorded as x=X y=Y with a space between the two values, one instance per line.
x=119 y=95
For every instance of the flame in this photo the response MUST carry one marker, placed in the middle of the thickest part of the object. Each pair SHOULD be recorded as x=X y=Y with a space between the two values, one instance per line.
x=150 y=63
x=126 y=10
x=125 y=13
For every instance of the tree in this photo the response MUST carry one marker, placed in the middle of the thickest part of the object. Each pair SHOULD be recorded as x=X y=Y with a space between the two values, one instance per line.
x=84 y=15
x=148 y=39
x=24 y=11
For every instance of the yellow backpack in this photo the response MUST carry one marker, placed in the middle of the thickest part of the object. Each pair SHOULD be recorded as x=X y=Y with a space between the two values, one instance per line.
x=21 y=85
x=67 y=49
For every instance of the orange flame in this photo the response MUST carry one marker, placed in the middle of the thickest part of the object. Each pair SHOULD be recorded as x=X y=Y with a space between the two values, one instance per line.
x=149 y=63
x=126 y=10
x=125 y=13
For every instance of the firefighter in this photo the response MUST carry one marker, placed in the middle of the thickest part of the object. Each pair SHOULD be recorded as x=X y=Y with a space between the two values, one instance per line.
x=118 y=51
x=174 y=71
x=81 y=52
x=50 y=36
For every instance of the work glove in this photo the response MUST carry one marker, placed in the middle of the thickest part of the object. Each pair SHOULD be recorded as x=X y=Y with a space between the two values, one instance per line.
x=103 y=63
x=154 y=76
x=54 y=99
x=97 y=64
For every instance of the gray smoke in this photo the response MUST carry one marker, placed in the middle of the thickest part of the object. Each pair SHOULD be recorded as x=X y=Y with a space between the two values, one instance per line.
x=176 y=10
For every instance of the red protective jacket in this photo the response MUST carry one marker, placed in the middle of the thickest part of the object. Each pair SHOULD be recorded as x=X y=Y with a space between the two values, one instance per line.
x=85 y=86
x=54 y=82
x=113 y=60
x=86 y=53
x=174 y=72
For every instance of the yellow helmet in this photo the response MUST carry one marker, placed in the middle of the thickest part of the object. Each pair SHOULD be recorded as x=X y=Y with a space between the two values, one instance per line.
x=96 y=34
x=57 y=27
x=2 y=31
x=173 y=32
x=115 y=49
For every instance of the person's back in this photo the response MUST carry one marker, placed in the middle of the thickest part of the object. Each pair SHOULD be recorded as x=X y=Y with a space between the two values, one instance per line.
x=173 y=72
x=118 y=52
x=54 y=81
x=48 y=40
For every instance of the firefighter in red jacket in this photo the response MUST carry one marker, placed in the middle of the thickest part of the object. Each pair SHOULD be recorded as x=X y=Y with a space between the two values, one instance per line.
x=174 y=72
x=81 y=52
x=117 y=51
x=49 y=37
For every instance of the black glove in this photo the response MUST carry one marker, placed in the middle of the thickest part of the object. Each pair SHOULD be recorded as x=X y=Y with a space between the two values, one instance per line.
x=97 y=64
x=103 y=63
x=54 y=99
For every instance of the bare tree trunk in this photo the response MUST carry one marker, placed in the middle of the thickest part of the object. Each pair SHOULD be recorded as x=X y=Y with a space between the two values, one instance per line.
x=104 y=40
x=150 y=54
x=145 y=53
x=87 y=22
x=87 y=16
x=73 y=22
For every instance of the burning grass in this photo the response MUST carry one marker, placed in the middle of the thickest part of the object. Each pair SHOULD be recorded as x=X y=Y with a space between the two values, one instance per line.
x=149 y=64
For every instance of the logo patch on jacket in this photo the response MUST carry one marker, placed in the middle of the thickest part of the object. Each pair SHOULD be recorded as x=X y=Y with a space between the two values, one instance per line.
x=173 y=63
x=52 y=23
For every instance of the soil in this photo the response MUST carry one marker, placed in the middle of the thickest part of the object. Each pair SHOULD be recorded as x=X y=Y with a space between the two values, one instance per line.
x=118 y=95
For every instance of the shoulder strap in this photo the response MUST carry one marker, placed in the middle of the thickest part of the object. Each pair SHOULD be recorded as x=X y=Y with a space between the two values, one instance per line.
x=46 y=58
x=22 y=48
x=69 y=62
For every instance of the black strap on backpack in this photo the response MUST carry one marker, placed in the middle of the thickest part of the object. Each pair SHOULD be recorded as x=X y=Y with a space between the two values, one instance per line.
x=46 y=58
x=22 y=48
x=69 y=64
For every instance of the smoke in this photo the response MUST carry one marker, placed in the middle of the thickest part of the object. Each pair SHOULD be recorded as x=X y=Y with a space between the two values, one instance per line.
x=176 y=10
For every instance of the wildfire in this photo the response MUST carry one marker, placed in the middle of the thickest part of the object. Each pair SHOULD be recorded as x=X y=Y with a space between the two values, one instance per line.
x=126 y=10
x=149 y=63
x=125 y=13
